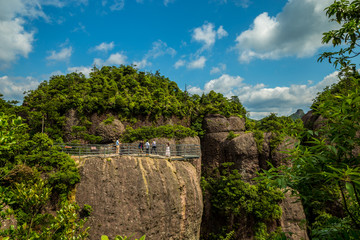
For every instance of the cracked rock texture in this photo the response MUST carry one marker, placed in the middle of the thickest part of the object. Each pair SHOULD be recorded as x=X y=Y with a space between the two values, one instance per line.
x=137 y=196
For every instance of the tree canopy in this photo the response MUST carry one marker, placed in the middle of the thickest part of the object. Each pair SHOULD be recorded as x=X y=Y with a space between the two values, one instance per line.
x=123 y=91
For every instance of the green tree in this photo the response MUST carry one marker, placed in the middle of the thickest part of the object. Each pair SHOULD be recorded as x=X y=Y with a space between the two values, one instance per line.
x=345 y=13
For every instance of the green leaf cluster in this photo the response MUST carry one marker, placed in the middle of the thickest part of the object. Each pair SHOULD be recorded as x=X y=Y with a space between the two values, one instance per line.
x=326 y=171
x=164 y=131
x=33 y=174
x=232 y=197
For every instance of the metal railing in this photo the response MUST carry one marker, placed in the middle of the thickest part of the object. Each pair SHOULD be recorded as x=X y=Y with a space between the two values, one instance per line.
x=177 y=150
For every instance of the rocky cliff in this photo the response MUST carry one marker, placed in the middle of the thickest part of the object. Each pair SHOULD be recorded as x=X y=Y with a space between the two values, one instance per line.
x=248 y=159
x=141 y=195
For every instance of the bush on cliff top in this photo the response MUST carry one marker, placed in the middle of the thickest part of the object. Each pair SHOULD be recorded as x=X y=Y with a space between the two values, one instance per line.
x=165 y=131
x=123 y=91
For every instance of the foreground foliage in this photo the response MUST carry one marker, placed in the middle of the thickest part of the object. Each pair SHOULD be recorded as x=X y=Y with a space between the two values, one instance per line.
x=32 y=175
x=238 y=202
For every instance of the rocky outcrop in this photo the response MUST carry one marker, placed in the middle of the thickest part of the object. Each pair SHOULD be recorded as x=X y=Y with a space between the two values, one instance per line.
x=217 y=123
x=292 y=218
x=313 y=121
x=110 y=132
x=133 y=195
x=248 y=159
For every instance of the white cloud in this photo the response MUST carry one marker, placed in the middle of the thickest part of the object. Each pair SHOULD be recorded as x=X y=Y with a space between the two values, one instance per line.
x=13 y=87
x=207 y=35
x=221 y=32
x=220 y=68
x=141 y=64
x=179 y=63
x=15 y=40
x=159 y=48
x=104 y=47
x=260 y=100
x=225 y=84
x=296 y=31
x=117 y=5
x=80 y=28
x=198 y=63
x=63 y=55
x=114 y=59
x=85 y=70
x=195 y=90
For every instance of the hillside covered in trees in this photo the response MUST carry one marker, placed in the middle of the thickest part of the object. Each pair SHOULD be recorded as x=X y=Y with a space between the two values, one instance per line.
x=324 y=172
x=128 y=94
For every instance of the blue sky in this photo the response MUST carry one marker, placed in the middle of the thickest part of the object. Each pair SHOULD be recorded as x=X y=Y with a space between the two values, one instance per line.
x=263 y=51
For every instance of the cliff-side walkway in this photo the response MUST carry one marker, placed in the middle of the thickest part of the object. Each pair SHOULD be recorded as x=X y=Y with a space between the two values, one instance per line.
x=177 y=151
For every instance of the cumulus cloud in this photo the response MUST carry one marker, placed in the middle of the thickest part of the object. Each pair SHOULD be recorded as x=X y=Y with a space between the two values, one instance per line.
x=159 y=48
x=206 y=34
x=13 y=88
x=114 y=59
x=141 y=64
x=84 y=70
x=260 y=100
x=198 y=63
x=296 y=31
x=179 y=63
x=15 y=40
x=220 y=68
x=104 y=47
x=63 y=55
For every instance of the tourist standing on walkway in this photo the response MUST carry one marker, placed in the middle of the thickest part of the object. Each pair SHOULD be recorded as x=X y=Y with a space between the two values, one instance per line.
x=141 y=146
x=167 y=151
x=117 y=144
x=153 y=147
x=147 y=147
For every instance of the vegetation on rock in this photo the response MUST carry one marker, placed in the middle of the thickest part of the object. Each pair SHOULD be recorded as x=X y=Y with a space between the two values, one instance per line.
x=33 y=174
x=238 y=201
x=123 y=91
x=325 y=169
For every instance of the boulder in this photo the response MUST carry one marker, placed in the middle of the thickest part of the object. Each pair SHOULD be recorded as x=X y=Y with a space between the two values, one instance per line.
x=313 y=121
x=217 y=123
x=141 y=195
x=110 y=132
x=243 y=151
x=292 y=218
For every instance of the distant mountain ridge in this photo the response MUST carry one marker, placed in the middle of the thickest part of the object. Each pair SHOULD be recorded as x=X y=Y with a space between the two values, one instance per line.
x=297 y=115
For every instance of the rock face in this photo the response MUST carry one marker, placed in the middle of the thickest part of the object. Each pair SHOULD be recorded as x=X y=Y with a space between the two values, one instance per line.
x=133 y=195
x=313 y=121
x=110 y=132
x=247 y=158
